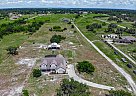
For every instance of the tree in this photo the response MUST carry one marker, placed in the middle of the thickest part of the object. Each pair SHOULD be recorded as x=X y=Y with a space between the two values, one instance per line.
x=37 y=73
x=72 y=26
x=56 y=27
x=56 y=38
x=72 y=88
x=25 y=93
x=12 y=50
x=85 y=66
x=119 y=93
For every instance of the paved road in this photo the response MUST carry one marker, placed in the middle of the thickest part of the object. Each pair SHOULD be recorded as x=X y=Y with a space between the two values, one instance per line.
x=72 y=74
x=126 y=75
x=122 y=53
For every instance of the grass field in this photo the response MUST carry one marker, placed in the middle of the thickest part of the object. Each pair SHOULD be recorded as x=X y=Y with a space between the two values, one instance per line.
x=128 y=49
x=124 y=22
x=78 y=51
x=102 y=46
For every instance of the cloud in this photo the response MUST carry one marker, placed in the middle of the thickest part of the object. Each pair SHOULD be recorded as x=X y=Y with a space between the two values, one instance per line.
x=125 y=4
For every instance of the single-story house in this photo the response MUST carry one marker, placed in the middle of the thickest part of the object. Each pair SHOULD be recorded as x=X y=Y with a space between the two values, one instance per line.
x=125 y=39
x=130 y=38
x=54 y=64
x=53 y=46
x=122 y=41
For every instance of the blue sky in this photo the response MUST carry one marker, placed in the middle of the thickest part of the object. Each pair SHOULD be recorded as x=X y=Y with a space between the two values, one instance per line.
x=118 y=4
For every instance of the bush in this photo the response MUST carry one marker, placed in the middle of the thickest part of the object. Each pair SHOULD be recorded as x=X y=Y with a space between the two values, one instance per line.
x=72 y=26
x=12 y=50
x=37 y=73
x=85 y=66
x=56 y=38
x=56 y=27
x=119 y=93
x=25 y=93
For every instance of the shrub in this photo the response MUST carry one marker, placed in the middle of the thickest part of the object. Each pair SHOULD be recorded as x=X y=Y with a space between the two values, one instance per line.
x=12 y=50
x=37 y=73
x=85 y=66
x=119 y=93
x=25 y=93
x=56 y=38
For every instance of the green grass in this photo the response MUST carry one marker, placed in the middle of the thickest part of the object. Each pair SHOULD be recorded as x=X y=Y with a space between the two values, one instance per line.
x=128 y=49
x=82 y=22
x=116 y=58
x=15 y=40
x=53 y=18
x=5 y=21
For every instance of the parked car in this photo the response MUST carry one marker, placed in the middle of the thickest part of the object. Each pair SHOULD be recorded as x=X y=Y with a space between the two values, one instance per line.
x=124 y=60
x=134 y=71
x=129 y=65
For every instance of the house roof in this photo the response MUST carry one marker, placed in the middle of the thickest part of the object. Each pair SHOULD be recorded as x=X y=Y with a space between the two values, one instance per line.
x=131 y=38
x=58 y=60
x=53 y=45
x=122 y=40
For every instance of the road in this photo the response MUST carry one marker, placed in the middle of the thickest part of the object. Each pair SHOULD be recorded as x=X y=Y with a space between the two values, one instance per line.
x=126 y=75
x=122 y=53
x=72 y=74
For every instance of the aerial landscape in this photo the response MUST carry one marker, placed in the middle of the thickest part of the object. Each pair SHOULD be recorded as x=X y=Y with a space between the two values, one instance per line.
x=68 y=48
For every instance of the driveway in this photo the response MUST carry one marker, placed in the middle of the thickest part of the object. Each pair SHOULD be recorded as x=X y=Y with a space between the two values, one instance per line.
x=72 y=74
x=125 y=74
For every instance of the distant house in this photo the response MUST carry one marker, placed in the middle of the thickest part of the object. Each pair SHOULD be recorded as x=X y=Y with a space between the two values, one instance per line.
x=54 y=64
x=125 y=39
x=122 y=41
x=53 y=46
x=130 y=38
x=66 y=20
x=112 y=36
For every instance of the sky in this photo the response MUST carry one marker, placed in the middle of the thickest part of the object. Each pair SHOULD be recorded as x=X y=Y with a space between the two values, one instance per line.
x=115 y=4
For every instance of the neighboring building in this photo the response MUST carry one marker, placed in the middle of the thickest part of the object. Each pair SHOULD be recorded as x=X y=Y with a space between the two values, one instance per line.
x=66 y=20
x=122 y=41
x=112 y=36
x=53 y=46
x=130 y=38
x=125 y=39
x=54 y=64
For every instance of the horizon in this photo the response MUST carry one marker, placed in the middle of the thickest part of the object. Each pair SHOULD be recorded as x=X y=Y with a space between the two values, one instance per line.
x=101 y=4
x=64 y=8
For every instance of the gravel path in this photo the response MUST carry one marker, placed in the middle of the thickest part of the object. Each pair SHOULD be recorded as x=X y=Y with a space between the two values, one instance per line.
x=125 y=74
x=72 y=74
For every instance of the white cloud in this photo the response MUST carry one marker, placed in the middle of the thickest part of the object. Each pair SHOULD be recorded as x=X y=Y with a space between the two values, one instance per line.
x=70 y=3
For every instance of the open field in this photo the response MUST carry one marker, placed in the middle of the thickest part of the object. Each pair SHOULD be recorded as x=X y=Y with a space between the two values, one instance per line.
x=124 y=22
x=101 y=45
x=128 y=49
x=78 y=51
x=75 y=48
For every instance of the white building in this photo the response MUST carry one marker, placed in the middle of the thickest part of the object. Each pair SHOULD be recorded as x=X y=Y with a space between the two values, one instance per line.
x=53 y=46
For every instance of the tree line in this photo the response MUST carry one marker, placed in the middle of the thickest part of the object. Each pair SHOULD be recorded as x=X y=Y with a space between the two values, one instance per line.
x=20 y=25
